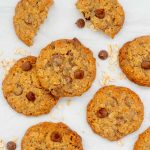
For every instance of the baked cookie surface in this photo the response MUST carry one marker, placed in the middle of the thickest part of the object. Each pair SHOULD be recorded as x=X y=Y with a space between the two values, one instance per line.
x=23 y=92
x=115 y=112
x=134 y=59
x=143 y=142
x=66 y=68
x=29 y=15
x=51 y=136
x=105 y=15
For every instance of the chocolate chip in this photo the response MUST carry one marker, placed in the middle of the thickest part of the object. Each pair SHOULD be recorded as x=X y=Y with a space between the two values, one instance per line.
x=57 y=59
x=100 y=13
x=102 y=113
x=18 y=90
x=79 y=74
x=30 y=96
x=11 y=145
x=80 y=23
x=56 y=137
x=145 y=64
x=103 y=55
x=26 y=66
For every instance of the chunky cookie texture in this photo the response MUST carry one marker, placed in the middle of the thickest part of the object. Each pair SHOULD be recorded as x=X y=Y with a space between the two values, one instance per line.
x=66 y=68
x=51 y=136
x=105 y=15
x=143 y=142
x=134 y=59
x=23 y=91
x=29 y=15
x=115 y=112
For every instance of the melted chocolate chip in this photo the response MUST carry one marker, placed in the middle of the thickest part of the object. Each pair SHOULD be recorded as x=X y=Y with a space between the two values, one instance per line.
x=79 y=74
x=145 y=64
x=102 y=113
x=26 y=66
x=30 y=96
x=100 y=13
x=56 y=137
x=11 y=145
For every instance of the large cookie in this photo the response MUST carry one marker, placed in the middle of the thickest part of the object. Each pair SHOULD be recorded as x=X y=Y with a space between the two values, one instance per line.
x=143 y=142
x=66 y=68
x=134 y=59
x=51 y=136
x=23 y=91
x=105 y=15
x=115 y=112
x=29 y=15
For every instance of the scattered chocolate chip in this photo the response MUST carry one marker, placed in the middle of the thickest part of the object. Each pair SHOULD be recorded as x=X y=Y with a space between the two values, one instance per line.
x=102 y=113
x=56 y=137
x=79 y=74
x=11 y=145
x=80 y=23
x=18 y=90
x=103 y=55
x=57 y=59
x=26 y=66
x=145 y=64
x=30 y=96
x=100 y=13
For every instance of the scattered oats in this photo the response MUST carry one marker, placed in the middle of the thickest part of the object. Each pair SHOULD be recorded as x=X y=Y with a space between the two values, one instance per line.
x=68 y=102
x=120 y=142
x=22 y=52
x=1 y=144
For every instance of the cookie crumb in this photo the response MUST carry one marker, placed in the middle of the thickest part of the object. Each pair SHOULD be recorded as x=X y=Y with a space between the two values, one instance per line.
x=22 y=52
x=1 y=144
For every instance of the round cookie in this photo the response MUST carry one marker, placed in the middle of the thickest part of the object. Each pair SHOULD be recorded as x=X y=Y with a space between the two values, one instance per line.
x=23 y=92
x=29 y=15
x=115 y=112
x=66 y=68
x=51 y=136
x=105 y=15
x=134 y=59
x=143 y=142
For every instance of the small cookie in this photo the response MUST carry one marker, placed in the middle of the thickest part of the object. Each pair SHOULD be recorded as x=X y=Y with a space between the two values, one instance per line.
x=66 y=68
x=134 y=59
x=29 y=15
x=115 y=112
x=143 y=142
x=51 y=136
x=23 y=91
x=105 y=15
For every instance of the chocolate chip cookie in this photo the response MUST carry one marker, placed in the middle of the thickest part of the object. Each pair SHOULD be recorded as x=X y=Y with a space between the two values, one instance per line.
x=143 y=142
x=66 y=68
x=51 y=136
x=115 y=112
x=23 y=91
x=29 y=15
x=105 y=15
x=134 y=59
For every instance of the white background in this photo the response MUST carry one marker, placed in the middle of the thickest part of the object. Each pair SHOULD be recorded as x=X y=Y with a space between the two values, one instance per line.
x=60 y=24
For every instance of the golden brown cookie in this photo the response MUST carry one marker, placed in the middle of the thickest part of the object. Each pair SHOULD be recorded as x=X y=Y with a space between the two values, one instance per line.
x=66 y=68
x=51 y=136
x=115 y=112
x=105 y=15
x=143 y=142
x=23 y=91
x=134 y=59
x=29 y=15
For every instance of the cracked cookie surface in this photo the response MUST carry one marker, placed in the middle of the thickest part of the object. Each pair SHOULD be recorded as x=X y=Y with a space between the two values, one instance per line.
x=134 y=59
x=66 y=68
x=105 y=15
x=23 y=92
x=29 y=15
x=115 y=112
x=51 y=136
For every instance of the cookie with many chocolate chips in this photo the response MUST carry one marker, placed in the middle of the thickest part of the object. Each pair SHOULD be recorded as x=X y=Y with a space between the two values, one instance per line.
x=66 y=68
x=134 y=59
x=105 y=15
x=51 y=136
x=23 y=91
x=115 y=112
x=29 y=15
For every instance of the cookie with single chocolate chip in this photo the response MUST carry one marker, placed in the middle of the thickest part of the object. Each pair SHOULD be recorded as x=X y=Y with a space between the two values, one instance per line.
x=105 y=15
x=143 y=142
x=115 y=112
x=29 y=15
x=51 y=136
x=23 y=91
x=66 y=68
x=134 y=60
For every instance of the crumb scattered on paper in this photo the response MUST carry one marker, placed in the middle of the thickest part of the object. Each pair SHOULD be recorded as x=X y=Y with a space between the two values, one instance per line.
x=120 y=143
x=68 y=103
x=59 y=106
x=22 y=52
x=1 y=145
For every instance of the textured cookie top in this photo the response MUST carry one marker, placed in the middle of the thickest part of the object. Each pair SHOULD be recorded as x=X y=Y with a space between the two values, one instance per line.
x=134 y=59
x=115 y=112
x=66 y=68
x=105 y=15
x=51 y=136
x=143 y=142
x=23 y=91
x=29 y=15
